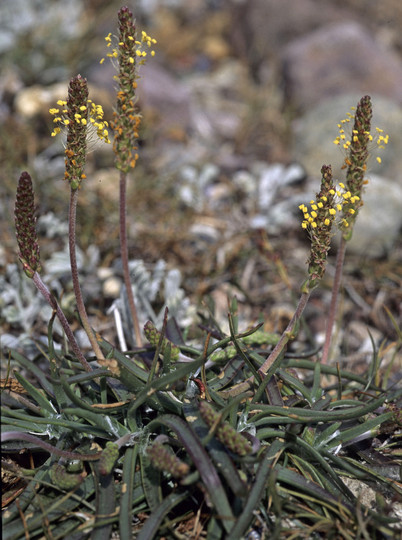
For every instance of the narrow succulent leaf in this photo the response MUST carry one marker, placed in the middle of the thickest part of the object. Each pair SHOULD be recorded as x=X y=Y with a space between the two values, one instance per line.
x=310 y=471
x=32 y=368
x=173 y=332
x=215 y=449
x=239 y=349
x=203 y=463
x=296 y=384
x=310 y=415
x=297 y=481
x=330 y=370
x=150 y=479
x=367 y=429
x=39 y=425
x=11 y=424
x=226 y=375
x=323 y=403
x=273 y=392
x=327 y=435
x=234 y=315
x=152 y=524
x=105 y=505
x=316 y=390
x=270 y=434
x=109 y=425
x=126 y=493
x=314 y=454
x=257 y=490
x=376 y=477
x=54 y=364
x=47 y=408
x=51 y=509
x=88 y=376
x=166 y=381
x=76 y=400
x=128 y=364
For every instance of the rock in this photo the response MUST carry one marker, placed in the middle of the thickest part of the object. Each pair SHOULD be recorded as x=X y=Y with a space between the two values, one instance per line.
x=37 y=99
x=339 y=58
x=261 y=28
x=166 y=96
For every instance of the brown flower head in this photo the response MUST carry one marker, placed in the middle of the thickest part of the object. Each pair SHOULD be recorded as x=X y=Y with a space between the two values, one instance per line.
x=357 y=149
x=130 y=54
x=164 y=460
x=225 y=433
x=77 y=122
x=318 y=221
x=25 y=225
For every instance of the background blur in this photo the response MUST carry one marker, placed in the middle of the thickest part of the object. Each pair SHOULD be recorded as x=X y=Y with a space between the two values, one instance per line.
x=240 y=107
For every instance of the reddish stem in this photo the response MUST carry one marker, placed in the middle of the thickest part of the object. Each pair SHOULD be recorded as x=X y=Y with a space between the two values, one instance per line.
x=272 y=362
x=42 y=288
x=74 y=274
x=124 y=258
x=334 y=300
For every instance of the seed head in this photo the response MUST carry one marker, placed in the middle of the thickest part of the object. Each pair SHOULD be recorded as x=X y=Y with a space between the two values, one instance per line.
x=108 y=458
x=318 y=221
x=25 y=226
x=153 y=335
x=164 y=460
x=130 y=54
x=225 y=433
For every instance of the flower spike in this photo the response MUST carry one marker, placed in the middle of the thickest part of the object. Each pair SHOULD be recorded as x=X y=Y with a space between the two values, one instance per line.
x=164 y=460
x=130 y=54
x=77 y=116
x=356 y=163
x=319 y=223
x=25 y=225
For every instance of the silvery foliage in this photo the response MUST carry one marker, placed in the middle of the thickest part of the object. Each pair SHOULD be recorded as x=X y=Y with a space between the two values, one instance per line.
x=20 y=302
x=21 y=305
x=155 y=287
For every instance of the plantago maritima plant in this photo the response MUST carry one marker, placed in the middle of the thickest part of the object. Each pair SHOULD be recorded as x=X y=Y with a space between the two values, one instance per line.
x=205 y=401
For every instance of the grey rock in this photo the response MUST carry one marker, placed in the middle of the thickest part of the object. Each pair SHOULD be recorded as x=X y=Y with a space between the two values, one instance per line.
x=380 y=219
x=339 y=58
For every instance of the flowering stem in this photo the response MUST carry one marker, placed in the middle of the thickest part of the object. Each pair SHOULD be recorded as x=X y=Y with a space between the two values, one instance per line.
x=124 y=258
x=21 y=436
x=74 y=274
x=42 y=288
x=273 y=361
x=334 y=299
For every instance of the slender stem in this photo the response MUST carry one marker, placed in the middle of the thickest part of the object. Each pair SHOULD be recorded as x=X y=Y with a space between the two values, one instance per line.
x=273 y=360
x=42 y=288
x=21 y=436
x=74 y=273
x=124 y=258
x=334 y=299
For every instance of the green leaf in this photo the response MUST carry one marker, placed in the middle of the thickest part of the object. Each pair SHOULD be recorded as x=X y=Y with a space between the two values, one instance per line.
x=203 y=463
